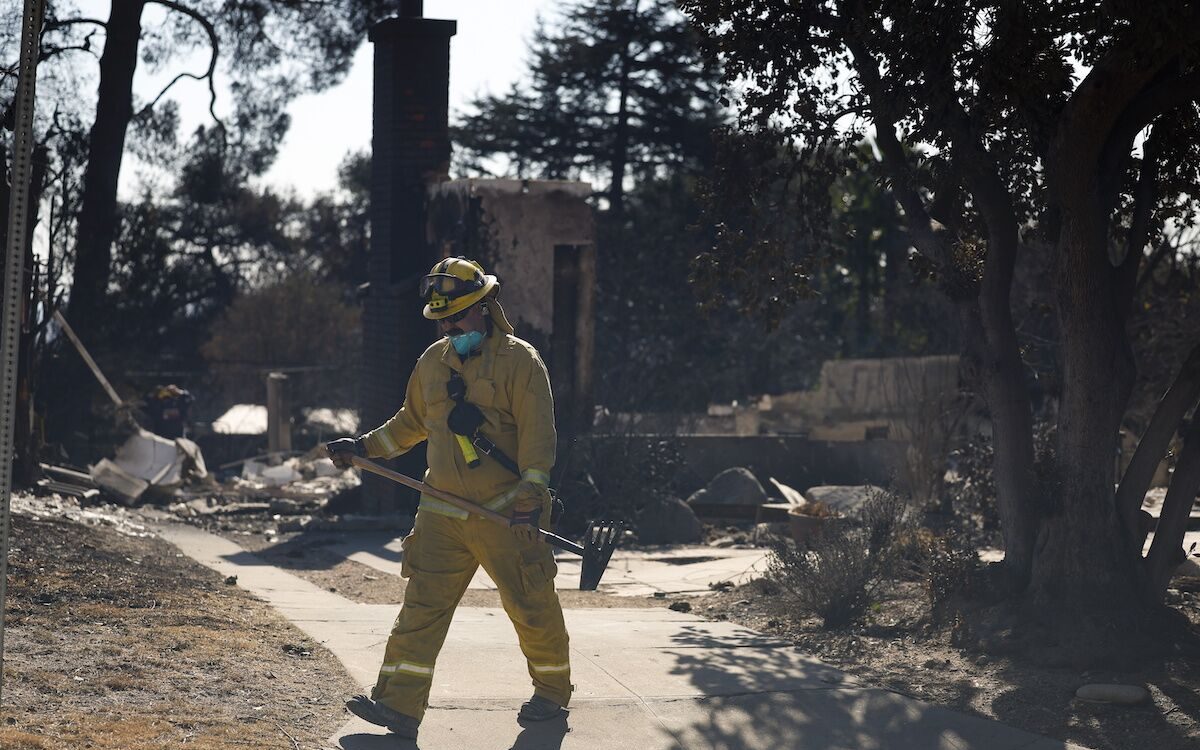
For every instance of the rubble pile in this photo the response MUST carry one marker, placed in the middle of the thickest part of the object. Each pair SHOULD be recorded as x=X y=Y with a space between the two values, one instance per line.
x=267 y=494
x=57 y=506
x=289 y=493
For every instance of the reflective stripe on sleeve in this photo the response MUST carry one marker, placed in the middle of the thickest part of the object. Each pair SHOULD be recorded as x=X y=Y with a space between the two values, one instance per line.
x=537 y=476
x=389 y=445
x=550 y=667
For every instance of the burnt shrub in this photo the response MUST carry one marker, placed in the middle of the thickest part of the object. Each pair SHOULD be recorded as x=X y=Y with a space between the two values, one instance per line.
x=971 y=491
x=838 y=573
x=947 y=564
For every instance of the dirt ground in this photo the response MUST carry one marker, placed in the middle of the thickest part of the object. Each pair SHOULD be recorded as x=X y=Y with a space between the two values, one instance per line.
x=899 y=650
x=116 y=642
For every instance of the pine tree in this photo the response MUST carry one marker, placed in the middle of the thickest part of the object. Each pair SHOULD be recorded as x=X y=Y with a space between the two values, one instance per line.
x=618 y=93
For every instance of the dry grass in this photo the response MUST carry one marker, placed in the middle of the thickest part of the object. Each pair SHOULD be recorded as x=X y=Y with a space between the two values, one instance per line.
x=117 y=643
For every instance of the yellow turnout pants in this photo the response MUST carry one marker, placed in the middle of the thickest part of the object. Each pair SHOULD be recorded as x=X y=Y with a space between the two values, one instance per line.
x=440 y=557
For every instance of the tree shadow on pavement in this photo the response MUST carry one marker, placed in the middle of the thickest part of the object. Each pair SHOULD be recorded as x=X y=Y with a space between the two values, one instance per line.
x=772 y=696
x=320 y=550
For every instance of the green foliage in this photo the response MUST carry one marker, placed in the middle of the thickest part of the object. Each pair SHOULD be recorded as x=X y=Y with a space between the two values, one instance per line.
x=768 y=206
x=971 y=75
x=336 y=226
x=616 y=91
x=299 y=324
x=183 y=258
x=971 y=491
x=661 y=352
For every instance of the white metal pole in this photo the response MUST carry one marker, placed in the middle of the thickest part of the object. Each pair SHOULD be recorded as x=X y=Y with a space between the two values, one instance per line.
x=14 y=266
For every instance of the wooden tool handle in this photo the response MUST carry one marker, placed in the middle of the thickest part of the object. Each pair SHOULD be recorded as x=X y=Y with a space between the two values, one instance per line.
x=458 y=502
x=426 y=489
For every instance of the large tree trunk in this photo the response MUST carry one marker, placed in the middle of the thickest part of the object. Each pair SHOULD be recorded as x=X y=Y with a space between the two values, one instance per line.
x=1082 y=561
x=98 y=212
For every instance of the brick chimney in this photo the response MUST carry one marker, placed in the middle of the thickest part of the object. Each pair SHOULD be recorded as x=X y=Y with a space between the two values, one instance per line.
x=410 y=146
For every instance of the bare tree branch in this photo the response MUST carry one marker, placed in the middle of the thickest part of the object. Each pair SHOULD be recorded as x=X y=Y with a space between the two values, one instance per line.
x=1145 y=198
x=51 y=52
x=1160 y=252
x=1166 y=552
x=895 y=160
x=215 y=43
x=1165 y=93
x=1175 y=403
x=65 y=22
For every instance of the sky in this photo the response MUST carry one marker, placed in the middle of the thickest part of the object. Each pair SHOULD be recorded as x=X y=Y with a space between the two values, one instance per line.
x=487 y=54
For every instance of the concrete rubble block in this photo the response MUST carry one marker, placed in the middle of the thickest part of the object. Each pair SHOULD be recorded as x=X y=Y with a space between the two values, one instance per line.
x=277 y=476
x=736 y=486
x=153 y=458
x=193 y=458
x=242 y=419
x=124 y=486
x=669 y=521
x=790 y=495
x=765 y=532
x=252 y=469
x=1124 y=695
x=845 y=499
x=325 y=468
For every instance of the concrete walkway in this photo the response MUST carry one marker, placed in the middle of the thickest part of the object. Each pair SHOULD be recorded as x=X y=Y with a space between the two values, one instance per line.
x=674 y=570
x=647 y=679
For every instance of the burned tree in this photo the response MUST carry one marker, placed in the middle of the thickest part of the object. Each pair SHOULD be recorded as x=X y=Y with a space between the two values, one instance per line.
x=268 y=50
x=1005 y=128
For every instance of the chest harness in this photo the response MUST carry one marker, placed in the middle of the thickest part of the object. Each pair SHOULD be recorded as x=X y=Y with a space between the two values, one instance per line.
x=464 y=421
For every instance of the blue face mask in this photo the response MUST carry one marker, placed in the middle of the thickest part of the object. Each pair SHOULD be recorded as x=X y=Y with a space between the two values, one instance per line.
x=465 y=343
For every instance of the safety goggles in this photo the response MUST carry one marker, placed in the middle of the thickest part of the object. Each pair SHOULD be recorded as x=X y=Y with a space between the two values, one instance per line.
x=447 y=285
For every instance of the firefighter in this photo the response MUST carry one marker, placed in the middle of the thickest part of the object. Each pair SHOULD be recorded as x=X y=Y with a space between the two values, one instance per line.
x=480 y=366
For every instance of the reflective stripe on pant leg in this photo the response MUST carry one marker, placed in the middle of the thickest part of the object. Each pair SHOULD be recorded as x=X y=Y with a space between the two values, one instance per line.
x=407 y=666
x=439 y=566
x=524 y=574
x=550 y=667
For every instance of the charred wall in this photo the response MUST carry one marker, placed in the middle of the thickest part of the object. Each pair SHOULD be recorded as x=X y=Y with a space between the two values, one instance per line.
x=538 y=237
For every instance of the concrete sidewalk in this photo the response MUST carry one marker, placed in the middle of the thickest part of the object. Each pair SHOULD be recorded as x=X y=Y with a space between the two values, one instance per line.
x=678 y=570
x=647 y=679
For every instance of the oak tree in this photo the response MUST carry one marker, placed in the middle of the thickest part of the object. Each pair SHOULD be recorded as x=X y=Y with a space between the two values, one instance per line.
x=1065 y=130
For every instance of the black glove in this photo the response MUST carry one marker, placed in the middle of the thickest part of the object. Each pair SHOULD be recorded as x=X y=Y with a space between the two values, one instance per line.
x=342 y=449
x=465 y=419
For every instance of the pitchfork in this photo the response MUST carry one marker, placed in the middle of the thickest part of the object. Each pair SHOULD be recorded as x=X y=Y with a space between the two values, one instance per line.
x=599 y=541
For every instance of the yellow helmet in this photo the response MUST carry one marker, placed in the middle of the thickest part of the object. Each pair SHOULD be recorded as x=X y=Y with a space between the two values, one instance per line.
x=453 y=285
